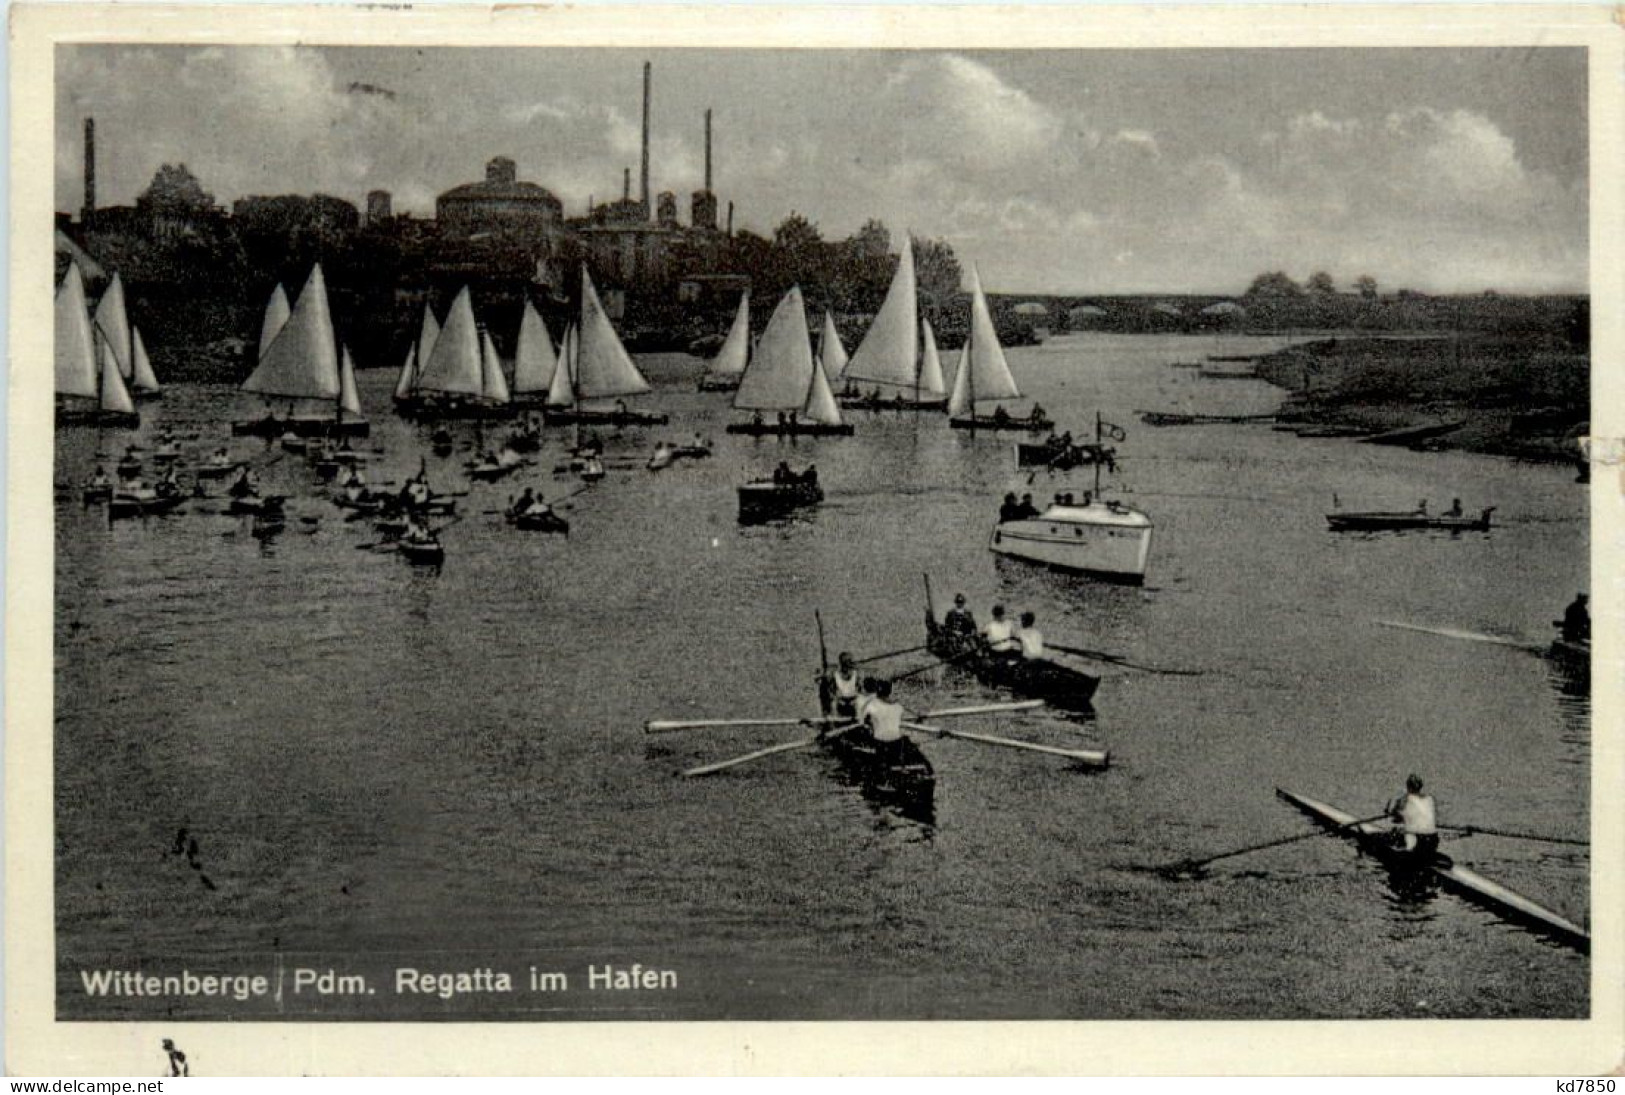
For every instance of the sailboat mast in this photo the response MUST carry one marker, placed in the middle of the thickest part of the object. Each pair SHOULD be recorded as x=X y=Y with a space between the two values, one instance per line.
x=1098 y=450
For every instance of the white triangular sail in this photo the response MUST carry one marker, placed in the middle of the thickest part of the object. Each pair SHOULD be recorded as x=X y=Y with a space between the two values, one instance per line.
x=493 y=383
x=454 y=364
x=302 y=360
x=735 y=353
x=561 y=392
x=959 y=401
x=409 y=374
x=76 y=361
x=821 y=406
x=349 y=397
x=534 y=361
x=115 y=396
x=830 y=350
x=113 y=321
x=932 y=385
x=780 y=376
x=427 y=336
x=141 y=374
x=604 y=369
x=276 y=314
x=984 y=373
x=890 y=348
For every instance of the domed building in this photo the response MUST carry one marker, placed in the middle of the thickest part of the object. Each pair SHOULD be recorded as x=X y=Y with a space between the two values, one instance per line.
x=500 y=205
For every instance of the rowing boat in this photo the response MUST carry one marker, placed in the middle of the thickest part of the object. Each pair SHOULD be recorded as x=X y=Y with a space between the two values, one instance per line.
x=1399 y=522
x=1034 y=678
x=1374 y=839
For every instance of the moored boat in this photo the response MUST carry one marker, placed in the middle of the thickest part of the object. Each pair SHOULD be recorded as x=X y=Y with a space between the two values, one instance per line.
x=1377 y=841
x=1416 y=519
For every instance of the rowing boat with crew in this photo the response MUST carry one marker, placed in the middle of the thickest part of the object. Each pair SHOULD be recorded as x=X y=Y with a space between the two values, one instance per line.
x=1377 y=841
x=1035 y=678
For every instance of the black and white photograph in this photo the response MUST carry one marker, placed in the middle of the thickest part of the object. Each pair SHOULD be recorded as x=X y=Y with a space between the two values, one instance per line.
x=979 y=517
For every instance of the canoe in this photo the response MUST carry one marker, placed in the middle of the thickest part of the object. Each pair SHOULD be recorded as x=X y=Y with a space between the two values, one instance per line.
x=991 y=422
x=541 y=521
x=764 y=500
x=425 y=552
x=1032 y=678
x=1410 y=435
x=124 y=504
x=1375 y=840
x=799 y=429
x=1395 y=522
x=1029 y=455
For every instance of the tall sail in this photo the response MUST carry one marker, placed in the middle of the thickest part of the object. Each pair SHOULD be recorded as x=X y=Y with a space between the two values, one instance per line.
x=888 y=351
x=604 y=370
x=735 y=352
x=454 y=364
x=780 y=376
x=276 y=314
x=349 y=397
x=493 y=384
x=114 y=324
x=76 y=363
x=984 y=374
x=141 y=374
x=561 y=392
x=427 y=336
x=821 y=406
x=115 y=397
x=959 y=401
x=302 y=360
x=830 y=348
x=534 y=361
x=409 y=374
x=931 y=382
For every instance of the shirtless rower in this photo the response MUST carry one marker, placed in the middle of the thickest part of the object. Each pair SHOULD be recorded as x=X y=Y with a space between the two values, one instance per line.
x=1417 y=817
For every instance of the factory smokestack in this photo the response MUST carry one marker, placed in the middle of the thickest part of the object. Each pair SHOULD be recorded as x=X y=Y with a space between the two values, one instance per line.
x=645 y=193
x=87 y=216
x=626 y=184
x=730 y=218
x=708 y=150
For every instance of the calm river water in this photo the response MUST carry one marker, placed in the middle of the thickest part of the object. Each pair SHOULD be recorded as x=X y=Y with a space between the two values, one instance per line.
x=387 y=767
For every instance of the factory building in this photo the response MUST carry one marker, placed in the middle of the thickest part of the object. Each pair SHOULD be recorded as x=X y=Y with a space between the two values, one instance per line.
x=500 y=205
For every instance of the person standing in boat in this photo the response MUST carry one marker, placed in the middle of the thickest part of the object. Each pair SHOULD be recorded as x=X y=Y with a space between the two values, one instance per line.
x=1417 y=815
x=1000 y=635
x=958 y=621
x=1030 y=638
x=1576 y=622
x=1455 y=508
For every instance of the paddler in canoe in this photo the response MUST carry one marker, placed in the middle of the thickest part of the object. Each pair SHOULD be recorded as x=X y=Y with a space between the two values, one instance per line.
x=1416 y=814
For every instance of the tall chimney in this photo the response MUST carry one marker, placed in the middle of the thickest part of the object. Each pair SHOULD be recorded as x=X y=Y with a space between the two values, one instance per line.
x=730 y=218
x=708 y=149
x=87 y=216
x=626 y=184
x=645 y=194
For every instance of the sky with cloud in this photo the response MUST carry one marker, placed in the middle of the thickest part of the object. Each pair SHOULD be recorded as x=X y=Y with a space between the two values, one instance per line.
x=1083 y=171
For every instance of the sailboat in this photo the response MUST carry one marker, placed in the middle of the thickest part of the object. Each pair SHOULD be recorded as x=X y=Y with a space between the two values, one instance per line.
x=722 y=373
x=599 y=369
x=417 y=356
x=898 y=353
x=300 y=363
x=784 y=378
x=1098 y=538
x=459 y=377
x=984 y=376
x=534 y=361
x=89 y=388
x=123 y=341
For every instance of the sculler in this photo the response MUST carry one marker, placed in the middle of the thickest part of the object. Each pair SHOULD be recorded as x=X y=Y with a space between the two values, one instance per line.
x=1030 y=638
x=1417 y=815
x=844 y=686
x=885 y=719
x=1000 y=635
x=1576 y=623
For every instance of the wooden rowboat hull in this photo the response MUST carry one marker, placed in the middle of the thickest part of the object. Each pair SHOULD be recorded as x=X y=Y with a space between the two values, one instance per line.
x=800 y=429
x=430 y=554
x=1035 y=678
x=1399 y=522
x=1470 y=885
x=765 y=501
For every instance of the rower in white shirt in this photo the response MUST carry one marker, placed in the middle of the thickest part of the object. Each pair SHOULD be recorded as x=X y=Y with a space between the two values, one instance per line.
x=844 y=685
x=883 y=717
x=1030 y=638
x=1000 y=635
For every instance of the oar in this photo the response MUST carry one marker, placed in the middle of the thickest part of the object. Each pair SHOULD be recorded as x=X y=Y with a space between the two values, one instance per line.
x=1192 y=866
x=921 y=669
x=1469 y=830
x=1086 y=756
x=984 y=709
x=707 y=769
x=1462 y=633
x=1103 y=656
x=888 y=654
x=664 y=726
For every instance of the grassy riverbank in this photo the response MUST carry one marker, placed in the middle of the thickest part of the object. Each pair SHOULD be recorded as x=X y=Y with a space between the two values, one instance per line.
x=1520 y=395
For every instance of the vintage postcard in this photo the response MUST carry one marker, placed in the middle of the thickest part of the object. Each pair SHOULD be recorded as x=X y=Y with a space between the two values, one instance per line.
x=778 y=540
